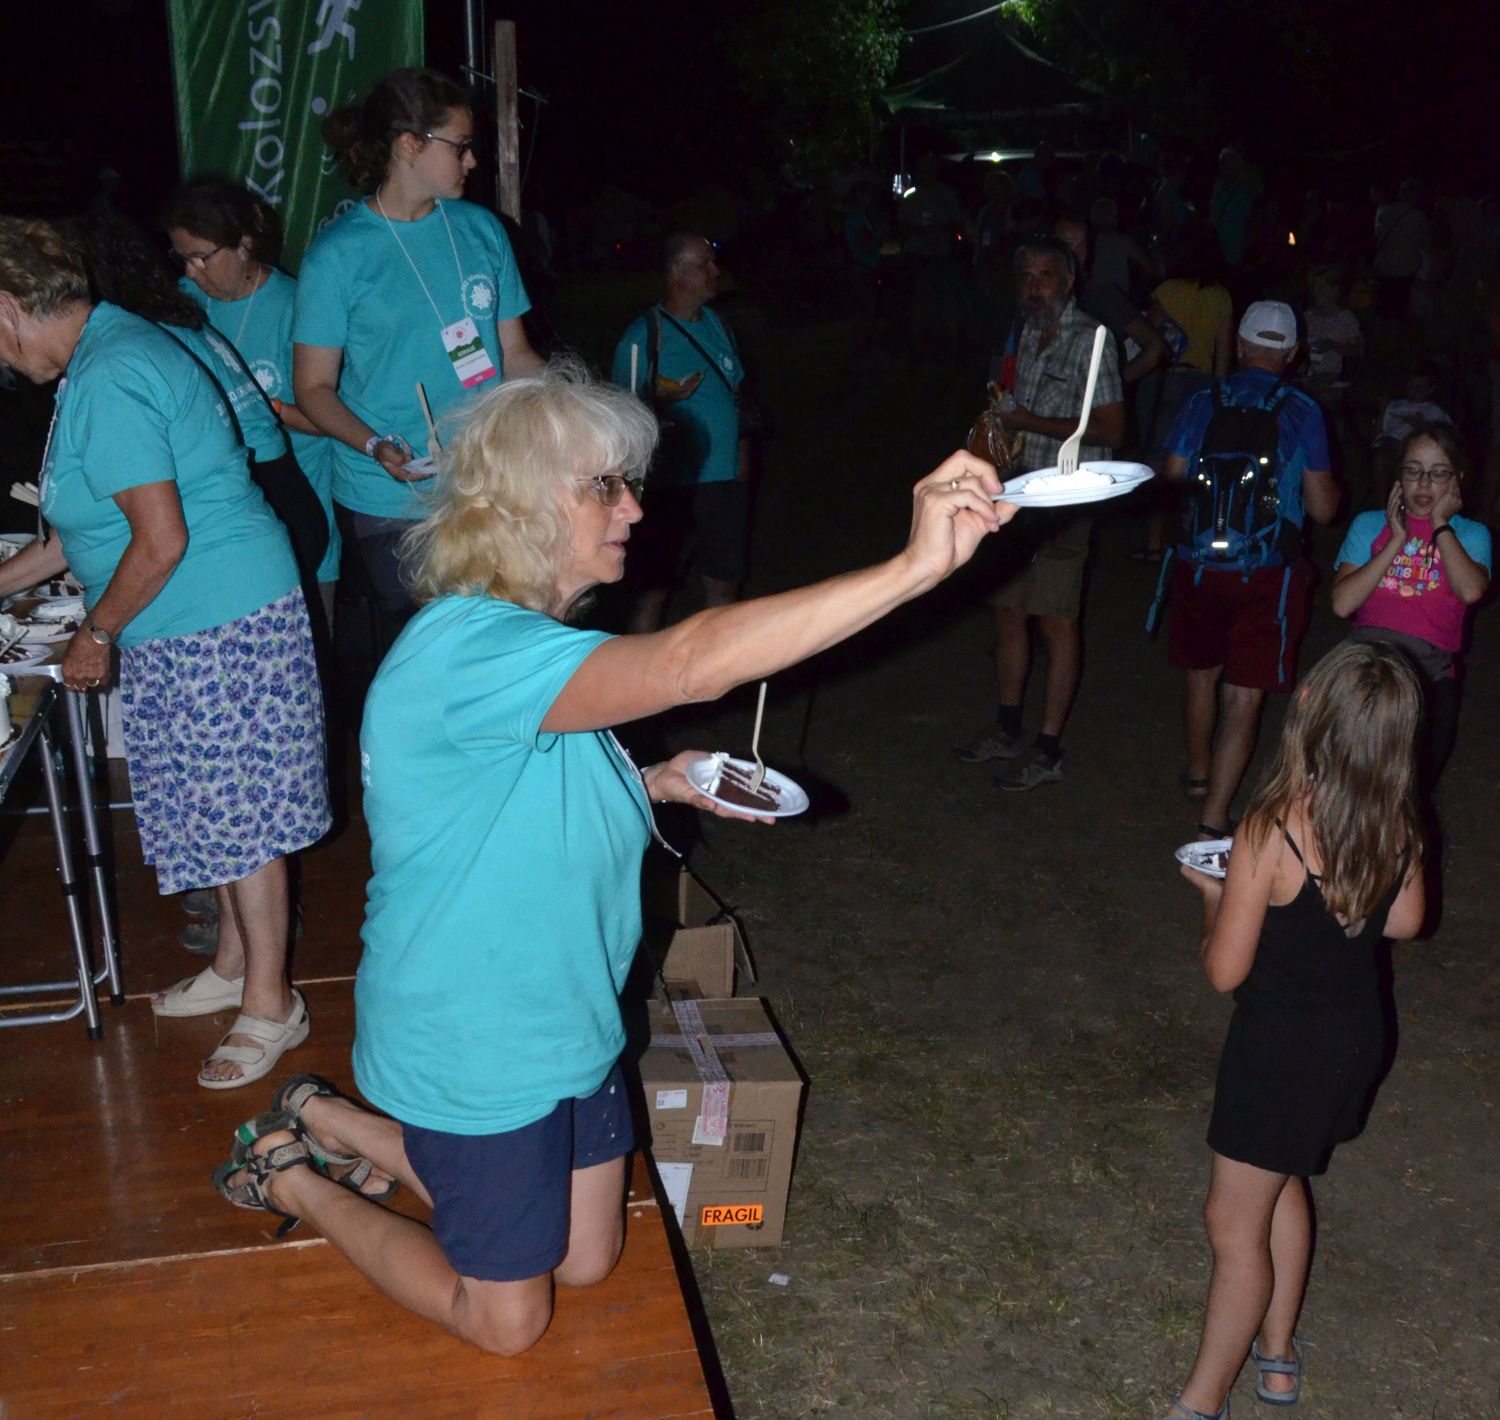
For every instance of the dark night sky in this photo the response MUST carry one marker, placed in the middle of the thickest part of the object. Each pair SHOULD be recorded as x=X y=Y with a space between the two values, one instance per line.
x=630 y=81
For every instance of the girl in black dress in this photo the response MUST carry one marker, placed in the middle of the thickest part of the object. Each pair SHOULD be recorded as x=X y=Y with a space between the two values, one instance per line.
x=1325 y=865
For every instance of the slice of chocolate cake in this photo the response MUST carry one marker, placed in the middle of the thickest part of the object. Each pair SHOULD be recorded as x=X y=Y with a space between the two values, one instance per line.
x=732 y=785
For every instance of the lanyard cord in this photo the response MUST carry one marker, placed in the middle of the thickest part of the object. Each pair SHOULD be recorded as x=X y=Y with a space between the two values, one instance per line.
x=458 y=269
x=249 y=306
x=46 y=478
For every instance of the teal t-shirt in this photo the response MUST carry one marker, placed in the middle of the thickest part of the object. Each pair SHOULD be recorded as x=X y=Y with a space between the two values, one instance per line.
x=259 y=427
x=504 y=909
x=138 y=408
x=706 y=444
x=260 y=328
x=369 y=288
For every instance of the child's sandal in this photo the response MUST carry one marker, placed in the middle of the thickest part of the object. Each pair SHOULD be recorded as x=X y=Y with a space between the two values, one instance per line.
x=1278 y=1366
x=250 y=1191
x=1181 y=1411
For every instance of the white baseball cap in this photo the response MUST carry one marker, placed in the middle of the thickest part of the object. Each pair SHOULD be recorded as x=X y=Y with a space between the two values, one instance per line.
x=1269 y=323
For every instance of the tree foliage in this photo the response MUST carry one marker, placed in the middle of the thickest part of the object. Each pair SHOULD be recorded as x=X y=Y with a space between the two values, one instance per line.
x=811 y=73
x=1225 y=68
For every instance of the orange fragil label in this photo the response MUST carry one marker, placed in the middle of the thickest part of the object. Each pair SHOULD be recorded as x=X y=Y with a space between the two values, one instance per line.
x=717 y=1215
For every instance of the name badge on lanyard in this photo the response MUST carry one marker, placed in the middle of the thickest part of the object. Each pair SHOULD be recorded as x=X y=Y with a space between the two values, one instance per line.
x=471 y=361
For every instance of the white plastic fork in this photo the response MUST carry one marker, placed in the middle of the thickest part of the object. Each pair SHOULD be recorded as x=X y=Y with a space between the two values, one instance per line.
x=1067 y=455
x=759 y=777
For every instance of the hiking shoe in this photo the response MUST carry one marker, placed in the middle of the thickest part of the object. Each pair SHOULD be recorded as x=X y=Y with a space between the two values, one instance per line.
x=993 y=742
x=202 y=938
x=201 y=902
x=1028 y=770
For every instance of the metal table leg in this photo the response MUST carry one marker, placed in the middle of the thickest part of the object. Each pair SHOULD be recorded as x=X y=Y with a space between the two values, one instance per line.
x=72 y=889
x=77 y=704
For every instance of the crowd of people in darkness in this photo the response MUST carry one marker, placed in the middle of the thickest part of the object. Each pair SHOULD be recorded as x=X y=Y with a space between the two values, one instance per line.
x=225 y=441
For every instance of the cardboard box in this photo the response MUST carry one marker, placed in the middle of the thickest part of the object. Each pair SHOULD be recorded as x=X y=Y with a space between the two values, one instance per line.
x=723 y=1098
x=699 y=962
x=692 y=938
x=670 y=893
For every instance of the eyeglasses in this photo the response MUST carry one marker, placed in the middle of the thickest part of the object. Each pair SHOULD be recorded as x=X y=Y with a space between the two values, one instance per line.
x=1415 y=473
x=465 y=146
x=609 y=488
x=194 y=258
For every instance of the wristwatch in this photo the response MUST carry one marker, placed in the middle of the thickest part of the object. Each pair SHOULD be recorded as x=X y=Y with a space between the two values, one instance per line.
x=97 y=634
x=1442 y=527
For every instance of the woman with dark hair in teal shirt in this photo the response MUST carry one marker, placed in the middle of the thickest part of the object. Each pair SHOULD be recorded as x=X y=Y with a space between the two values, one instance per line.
x=147 y=489
x=126 y=269
x=507 y=827
x=227 y=243
x=410 y=286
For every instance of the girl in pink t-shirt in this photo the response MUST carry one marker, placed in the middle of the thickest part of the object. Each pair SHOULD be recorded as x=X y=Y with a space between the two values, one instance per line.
x=1410 y=574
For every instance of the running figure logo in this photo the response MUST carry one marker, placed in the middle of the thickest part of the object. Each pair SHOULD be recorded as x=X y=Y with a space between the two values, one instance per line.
x=334 y=24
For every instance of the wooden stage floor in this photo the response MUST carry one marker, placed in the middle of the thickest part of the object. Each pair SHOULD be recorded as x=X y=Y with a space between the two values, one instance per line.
x=126 y=1282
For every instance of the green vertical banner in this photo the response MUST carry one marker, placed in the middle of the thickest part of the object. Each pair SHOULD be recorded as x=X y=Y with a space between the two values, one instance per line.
x=255 y=79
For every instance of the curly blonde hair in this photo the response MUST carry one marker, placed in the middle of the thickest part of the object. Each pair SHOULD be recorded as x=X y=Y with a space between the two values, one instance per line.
x=498 y=524
x=39 y=268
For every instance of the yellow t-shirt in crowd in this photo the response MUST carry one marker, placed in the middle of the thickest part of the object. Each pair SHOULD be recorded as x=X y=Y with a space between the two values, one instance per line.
x=1200 y=311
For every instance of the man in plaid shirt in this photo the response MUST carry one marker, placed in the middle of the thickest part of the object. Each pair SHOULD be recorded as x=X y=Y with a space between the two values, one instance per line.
x=1052 y=366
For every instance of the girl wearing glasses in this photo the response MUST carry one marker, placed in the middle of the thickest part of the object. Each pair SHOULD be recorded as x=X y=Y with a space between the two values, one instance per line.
x=412 y=285
x=1409 y=574
x=507 y=828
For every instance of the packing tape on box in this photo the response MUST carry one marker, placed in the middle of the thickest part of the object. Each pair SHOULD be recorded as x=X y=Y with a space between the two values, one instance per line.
x=712 y=1123
x=720 y=1042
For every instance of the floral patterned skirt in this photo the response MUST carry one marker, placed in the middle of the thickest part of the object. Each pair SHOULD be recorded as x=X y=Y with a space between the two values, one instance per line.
x=224 y=740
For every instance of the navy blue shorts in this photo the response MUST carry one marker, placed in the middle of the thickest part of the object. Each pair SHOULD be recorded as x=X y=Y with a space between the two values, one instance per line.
x=500 y=1201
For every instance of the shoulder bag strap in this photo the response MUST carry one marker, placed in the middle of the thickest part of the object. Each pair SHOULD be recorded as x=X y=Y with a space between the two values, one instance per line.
x=687 y=335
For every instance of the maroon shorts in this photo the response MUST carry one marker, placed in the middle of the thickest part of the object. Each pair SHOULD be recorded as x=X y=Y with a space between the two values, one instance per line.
x=1242 y=624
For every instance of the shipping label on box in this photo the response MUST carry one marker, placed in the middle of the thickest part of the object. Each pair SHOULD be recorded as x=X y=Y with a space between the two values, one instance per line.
x=723 y=1098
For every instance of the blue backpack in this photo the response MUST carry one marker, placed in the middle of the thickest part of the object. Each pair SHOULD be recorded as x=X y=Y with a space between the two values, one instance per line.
x=1231 y=510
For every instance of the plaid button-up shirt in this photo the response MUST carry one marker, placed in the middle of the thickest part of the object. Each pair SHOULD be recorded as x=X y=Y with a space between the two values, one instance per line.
x=1050 y=382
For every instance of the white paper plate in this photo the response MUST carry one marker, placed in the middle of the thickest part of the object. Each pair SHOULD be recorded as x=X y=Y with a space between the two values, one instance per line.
x=1122 y=478
x=58 y=609
x=426 y=467
x=1207 y=856
x=794 y=798
x=31 y=656
x=47 y=633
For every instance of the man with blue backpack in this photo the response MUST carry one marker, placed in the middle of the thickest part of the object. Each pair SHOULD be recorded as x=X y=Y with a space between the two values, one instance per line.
x=1253 y=451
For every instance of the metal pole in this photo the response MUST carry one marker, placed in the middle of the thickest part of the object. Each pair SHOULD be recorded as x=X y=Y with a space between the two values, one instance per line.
x=473 y=54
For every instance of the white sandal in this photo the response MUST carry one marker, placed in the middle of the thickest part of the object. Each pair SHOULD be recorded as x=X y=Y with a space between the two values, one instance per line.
x=257 y=1061
x=206 y=994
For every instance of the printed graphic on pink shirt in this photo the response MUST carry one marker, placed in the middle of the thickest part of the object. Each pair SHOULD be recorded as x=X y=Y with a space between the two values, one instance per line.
x=1415 y=570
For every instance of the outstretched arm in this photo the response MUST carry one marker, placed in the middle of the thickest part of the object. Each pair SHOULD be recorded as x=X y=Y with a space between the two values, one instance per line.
x=630 y=677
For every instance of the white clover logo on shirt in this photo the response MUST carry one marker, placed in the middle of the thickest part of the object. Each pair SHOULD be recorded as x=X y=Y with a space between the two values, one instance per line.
x=479 y=297
x=268 y=377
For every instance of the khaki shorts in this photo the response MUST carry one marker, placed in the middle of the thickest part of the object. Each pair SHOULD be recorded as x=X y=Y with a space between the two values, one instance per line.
x=1051 y=584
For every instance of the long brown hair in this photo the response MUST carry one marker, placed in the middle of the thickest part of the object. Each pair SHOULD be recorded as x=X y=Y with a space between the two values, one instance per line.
x=405 y=101
x=1348 y=758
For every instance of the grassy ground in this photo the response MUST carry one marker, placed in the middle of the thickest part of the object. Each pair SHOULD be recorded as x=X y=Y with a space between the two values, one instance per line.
x=995 y=1211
